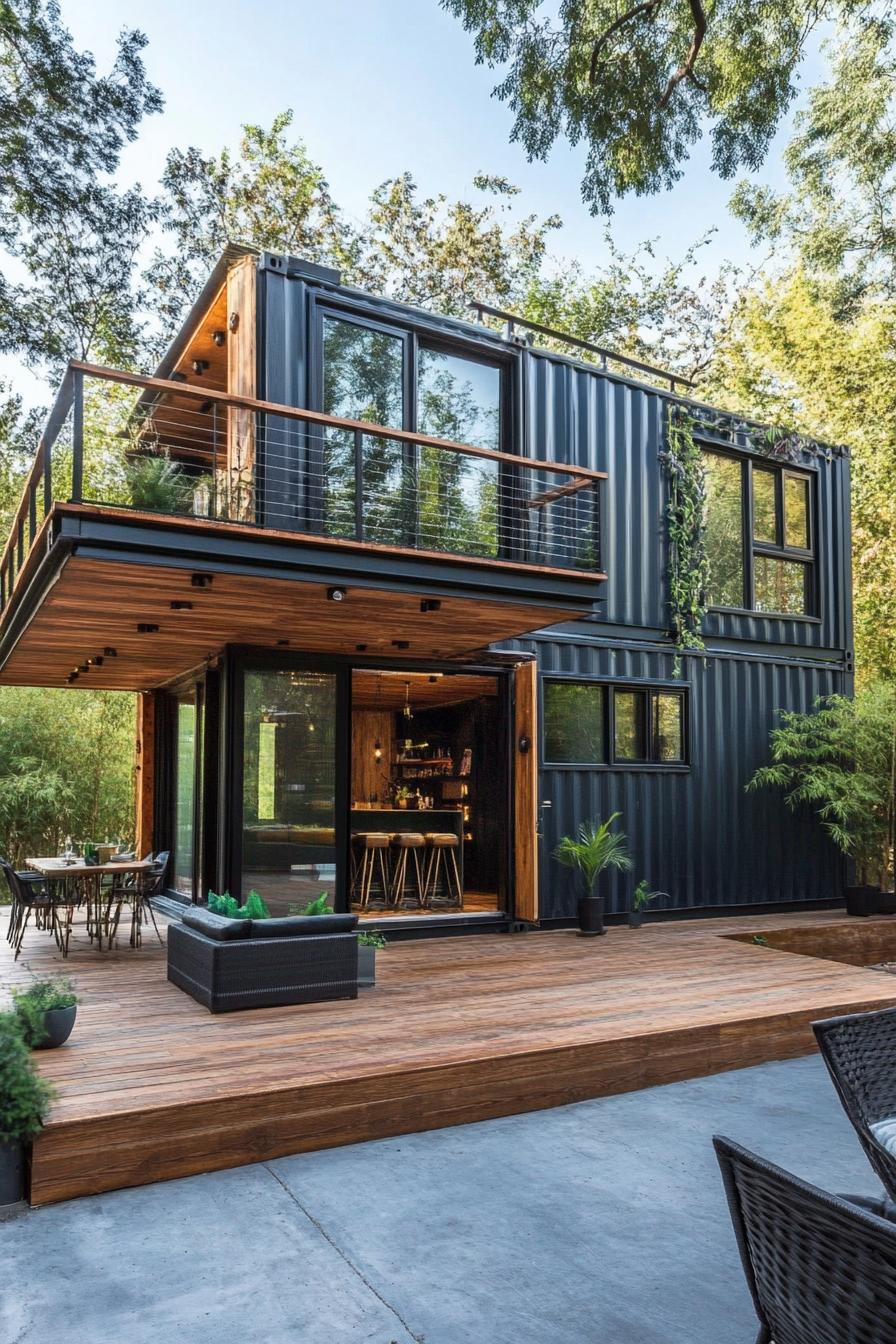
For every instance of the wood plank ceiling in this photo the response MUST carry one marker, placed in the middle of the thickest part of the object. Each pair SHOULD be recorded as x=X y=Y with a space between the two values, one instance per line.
x=97 y=605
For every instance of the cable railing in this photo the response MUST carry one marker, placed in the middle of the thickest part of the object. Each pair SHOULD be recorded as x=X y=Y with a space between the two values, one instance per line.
x=158 y=446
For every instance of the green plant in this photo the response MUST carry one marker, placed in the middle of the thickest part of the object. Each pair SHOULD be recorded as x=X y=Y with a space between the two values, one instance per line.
x=598 y=847
x=158 y=484
x=643 y=896
x=32 y=1003
x=840 y=759
x=319 y=906
x=24 y=1096
x=688 y=566
x=760 y=940
x=227 y=905
x=371 y=939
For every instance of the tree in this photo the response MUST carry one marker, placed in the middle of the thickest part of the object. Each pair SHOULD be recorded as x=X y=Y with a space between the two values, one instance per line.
x=839 y=215
x=637 y=83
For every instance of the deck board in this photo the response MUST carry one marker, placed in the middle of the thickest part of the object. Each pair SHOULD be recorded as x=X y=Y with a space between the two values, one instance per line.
x=151 y=1086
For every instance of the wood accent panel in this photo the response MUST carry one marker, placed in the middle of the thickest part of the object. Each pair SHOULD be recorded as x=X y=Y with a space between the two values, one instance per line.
x=151 y=1086
x=381 y=689
x=525 y=792
x=96 y=603
x=369 y=727
x=242 y=381
x=145 y=771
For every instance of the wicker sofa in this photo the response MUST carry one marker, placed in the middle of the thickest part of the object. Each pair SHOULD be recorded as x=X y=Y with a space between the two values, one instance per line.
x=229 y=964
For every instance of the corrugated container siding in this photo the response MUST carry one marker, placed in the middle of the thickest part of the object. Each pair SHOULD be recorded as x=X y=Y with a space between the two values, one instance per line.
x=697 y=835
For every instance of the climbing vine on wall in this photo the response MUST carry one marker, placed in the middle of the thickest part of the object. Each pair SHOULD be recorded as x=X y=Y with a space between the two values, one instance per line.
x=688 y=569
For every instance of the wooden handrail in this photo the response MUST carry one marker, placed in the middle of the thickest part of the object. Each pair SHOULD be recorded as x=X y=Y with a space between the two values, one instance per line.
x=367 y=427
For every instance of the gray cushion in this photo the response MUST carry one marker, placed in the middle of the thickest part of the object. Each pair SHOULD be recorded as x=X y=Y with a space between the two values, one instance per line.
x=294 y=926
x=885 y=1133
x=217 y=926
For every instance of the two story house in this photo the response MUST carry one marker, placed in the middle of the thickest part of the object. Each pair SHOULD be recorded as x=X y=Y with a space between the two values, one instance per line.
x=393 y=590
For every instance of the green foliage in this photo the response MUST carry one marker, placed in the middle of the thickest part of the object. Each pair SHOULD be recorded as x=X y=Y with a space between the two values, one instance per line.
x=24 y=1096
x=640 y=84
x=759 y=940
x=643 y=896
x=227 y=905
x=597 y=847
x=33 y=1003
x=159 y=485
x=66 y=768
x=688 y=572
x=319 y=906
x=371 y=939
x=840 y=760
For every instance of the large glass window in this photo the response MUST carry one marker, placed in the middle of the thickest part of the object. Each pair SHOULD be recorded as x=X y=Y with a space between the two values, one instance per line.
x=363 y=380
x=458 y=399
x=574 y=722
x=289 y=786
x=774 y=572
x=184 y=795
x=724 y=531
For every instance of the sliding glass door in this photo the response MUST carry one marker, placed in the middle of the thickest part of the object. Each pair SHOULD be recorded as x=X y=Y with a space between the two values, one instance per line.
x=289 y=829
x=186 y=756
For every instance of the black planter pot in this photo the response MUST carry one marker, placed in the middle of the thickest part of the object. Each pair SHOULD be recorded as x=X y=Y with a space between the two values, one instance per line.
x=12 y=1173
x=635 y=919
x=366 y=966
x=591 y=916
x=58 y=1023
x=864 y=901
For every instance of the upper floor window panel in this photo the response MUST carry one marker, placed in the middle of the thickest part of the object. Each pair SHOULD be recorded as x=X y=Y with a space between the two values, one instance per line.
x=759 y=538
x=459 y=399
x=363 y=372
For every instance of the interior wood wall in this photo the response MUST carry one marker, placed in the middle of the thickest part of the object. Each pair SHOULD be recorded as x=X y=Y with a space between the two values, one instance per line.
x=369 y=727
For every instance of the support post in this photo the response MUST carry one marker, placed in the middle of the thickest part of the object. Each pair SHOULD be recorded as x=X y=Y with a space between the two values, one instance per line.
x=241 y=381
x=145 y=773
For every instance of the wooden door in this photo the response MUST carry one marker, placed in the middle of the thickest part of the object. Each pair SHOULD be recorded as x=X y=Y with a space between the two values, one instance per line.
x=525 y=792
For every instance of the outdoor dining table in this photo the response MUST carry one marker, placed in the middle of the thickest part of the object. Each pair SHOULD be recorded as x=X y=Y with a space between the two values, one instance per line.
x=87 y=881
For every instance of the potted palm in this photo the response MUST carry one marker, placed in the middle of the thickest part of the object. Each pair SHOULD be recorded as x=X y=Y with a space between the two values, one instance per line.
x=642 y=897
x=46 y=1013
x=24 y=1101
x=596 y=848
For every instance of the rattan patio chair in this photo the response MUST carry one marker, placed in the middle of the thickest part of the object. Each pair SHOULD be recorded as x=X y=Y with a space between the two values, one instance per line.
x=821 y=1268
x=137 y=892
x=860 y=1052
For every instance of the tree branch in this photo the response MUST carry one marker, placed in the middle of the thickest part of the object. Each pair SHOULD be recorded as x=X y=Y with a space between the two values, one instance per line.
x=686 y=71
x=646 y=7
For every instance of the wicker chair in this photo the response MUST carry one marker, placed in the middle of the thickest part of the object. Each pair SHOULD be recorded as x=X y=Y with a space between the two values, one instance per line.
x=821 y=1268
x=860 y=1052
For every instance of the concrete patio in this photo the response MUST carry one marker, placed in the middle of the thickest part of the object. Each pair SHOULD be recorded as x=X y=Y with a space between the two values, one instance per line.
x=598 y=1223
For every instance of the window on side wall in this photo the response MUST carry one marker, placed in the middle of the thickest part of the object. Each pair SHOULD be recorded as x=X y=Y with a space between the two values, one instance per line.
x=599 y=723
x=771 y=570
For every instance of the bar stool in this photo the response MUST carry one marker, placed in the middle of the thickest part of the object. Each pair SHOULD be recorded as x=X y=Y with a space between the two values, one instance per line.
x=407 y=843
x=442 y=864
x=371 y=863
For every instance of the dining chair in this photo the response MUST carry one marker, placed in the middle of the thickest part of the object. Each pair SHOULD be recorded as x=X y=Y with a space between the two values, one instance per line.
x=30 y=894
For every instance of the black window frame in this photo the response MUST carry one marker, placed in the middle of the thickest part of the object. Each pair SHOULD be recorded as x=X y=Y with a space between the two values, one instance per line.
x=609 y=686
x=779 y=549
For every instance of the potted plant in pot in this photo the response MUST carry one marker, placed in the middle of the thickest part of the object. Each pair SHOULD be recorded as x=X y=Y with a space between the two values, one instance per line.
x=46 y=1013
x=840 y=760
x=368 y=943
x=24 y=1101
x=642 y=897
x=596 y=848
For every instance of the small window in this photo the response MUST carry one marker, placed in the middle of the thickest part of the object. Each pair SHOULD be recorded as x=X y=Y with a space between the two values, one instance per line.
x=796 y=512
x=668 y=726
x=779 y=586
x=765 y=506
x=574 y=722
x=724 y=520
x=630 y=726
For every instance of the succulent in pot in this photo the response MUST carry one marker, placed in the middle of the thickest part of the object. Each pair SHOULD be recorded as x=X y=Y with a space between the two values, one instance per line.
x=24 y=1101
x=46 y=1011
x=596 y=848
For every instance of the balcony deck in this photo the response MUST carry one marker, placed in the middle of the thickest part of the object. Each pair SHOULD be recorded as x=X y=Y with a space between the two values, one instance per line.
x=151 y=1086
x=444 y=554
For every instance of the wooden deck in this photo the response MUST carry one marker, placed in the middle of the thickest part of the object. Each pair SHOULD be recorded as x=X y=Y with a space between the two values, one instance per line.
x=151 y=1086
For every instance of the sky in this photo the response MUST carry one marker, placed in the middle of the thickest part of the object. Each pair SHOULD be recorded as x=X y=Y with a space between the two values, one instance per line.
x=380 y=87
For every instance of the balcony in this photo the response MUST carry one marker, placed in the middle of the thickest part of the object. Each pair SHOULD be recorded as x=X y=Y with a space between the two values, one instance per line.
x=138 y=469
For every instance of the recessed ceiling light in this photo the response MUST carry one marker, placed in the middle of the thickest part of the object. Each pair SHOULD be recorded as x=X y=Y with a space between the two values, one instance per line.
x=147 y=628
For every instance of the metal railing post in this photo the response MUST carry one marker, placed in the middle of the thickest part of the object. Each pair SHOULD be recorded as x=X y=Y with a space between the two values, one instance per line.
x=359 y=485
x=78 y=438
